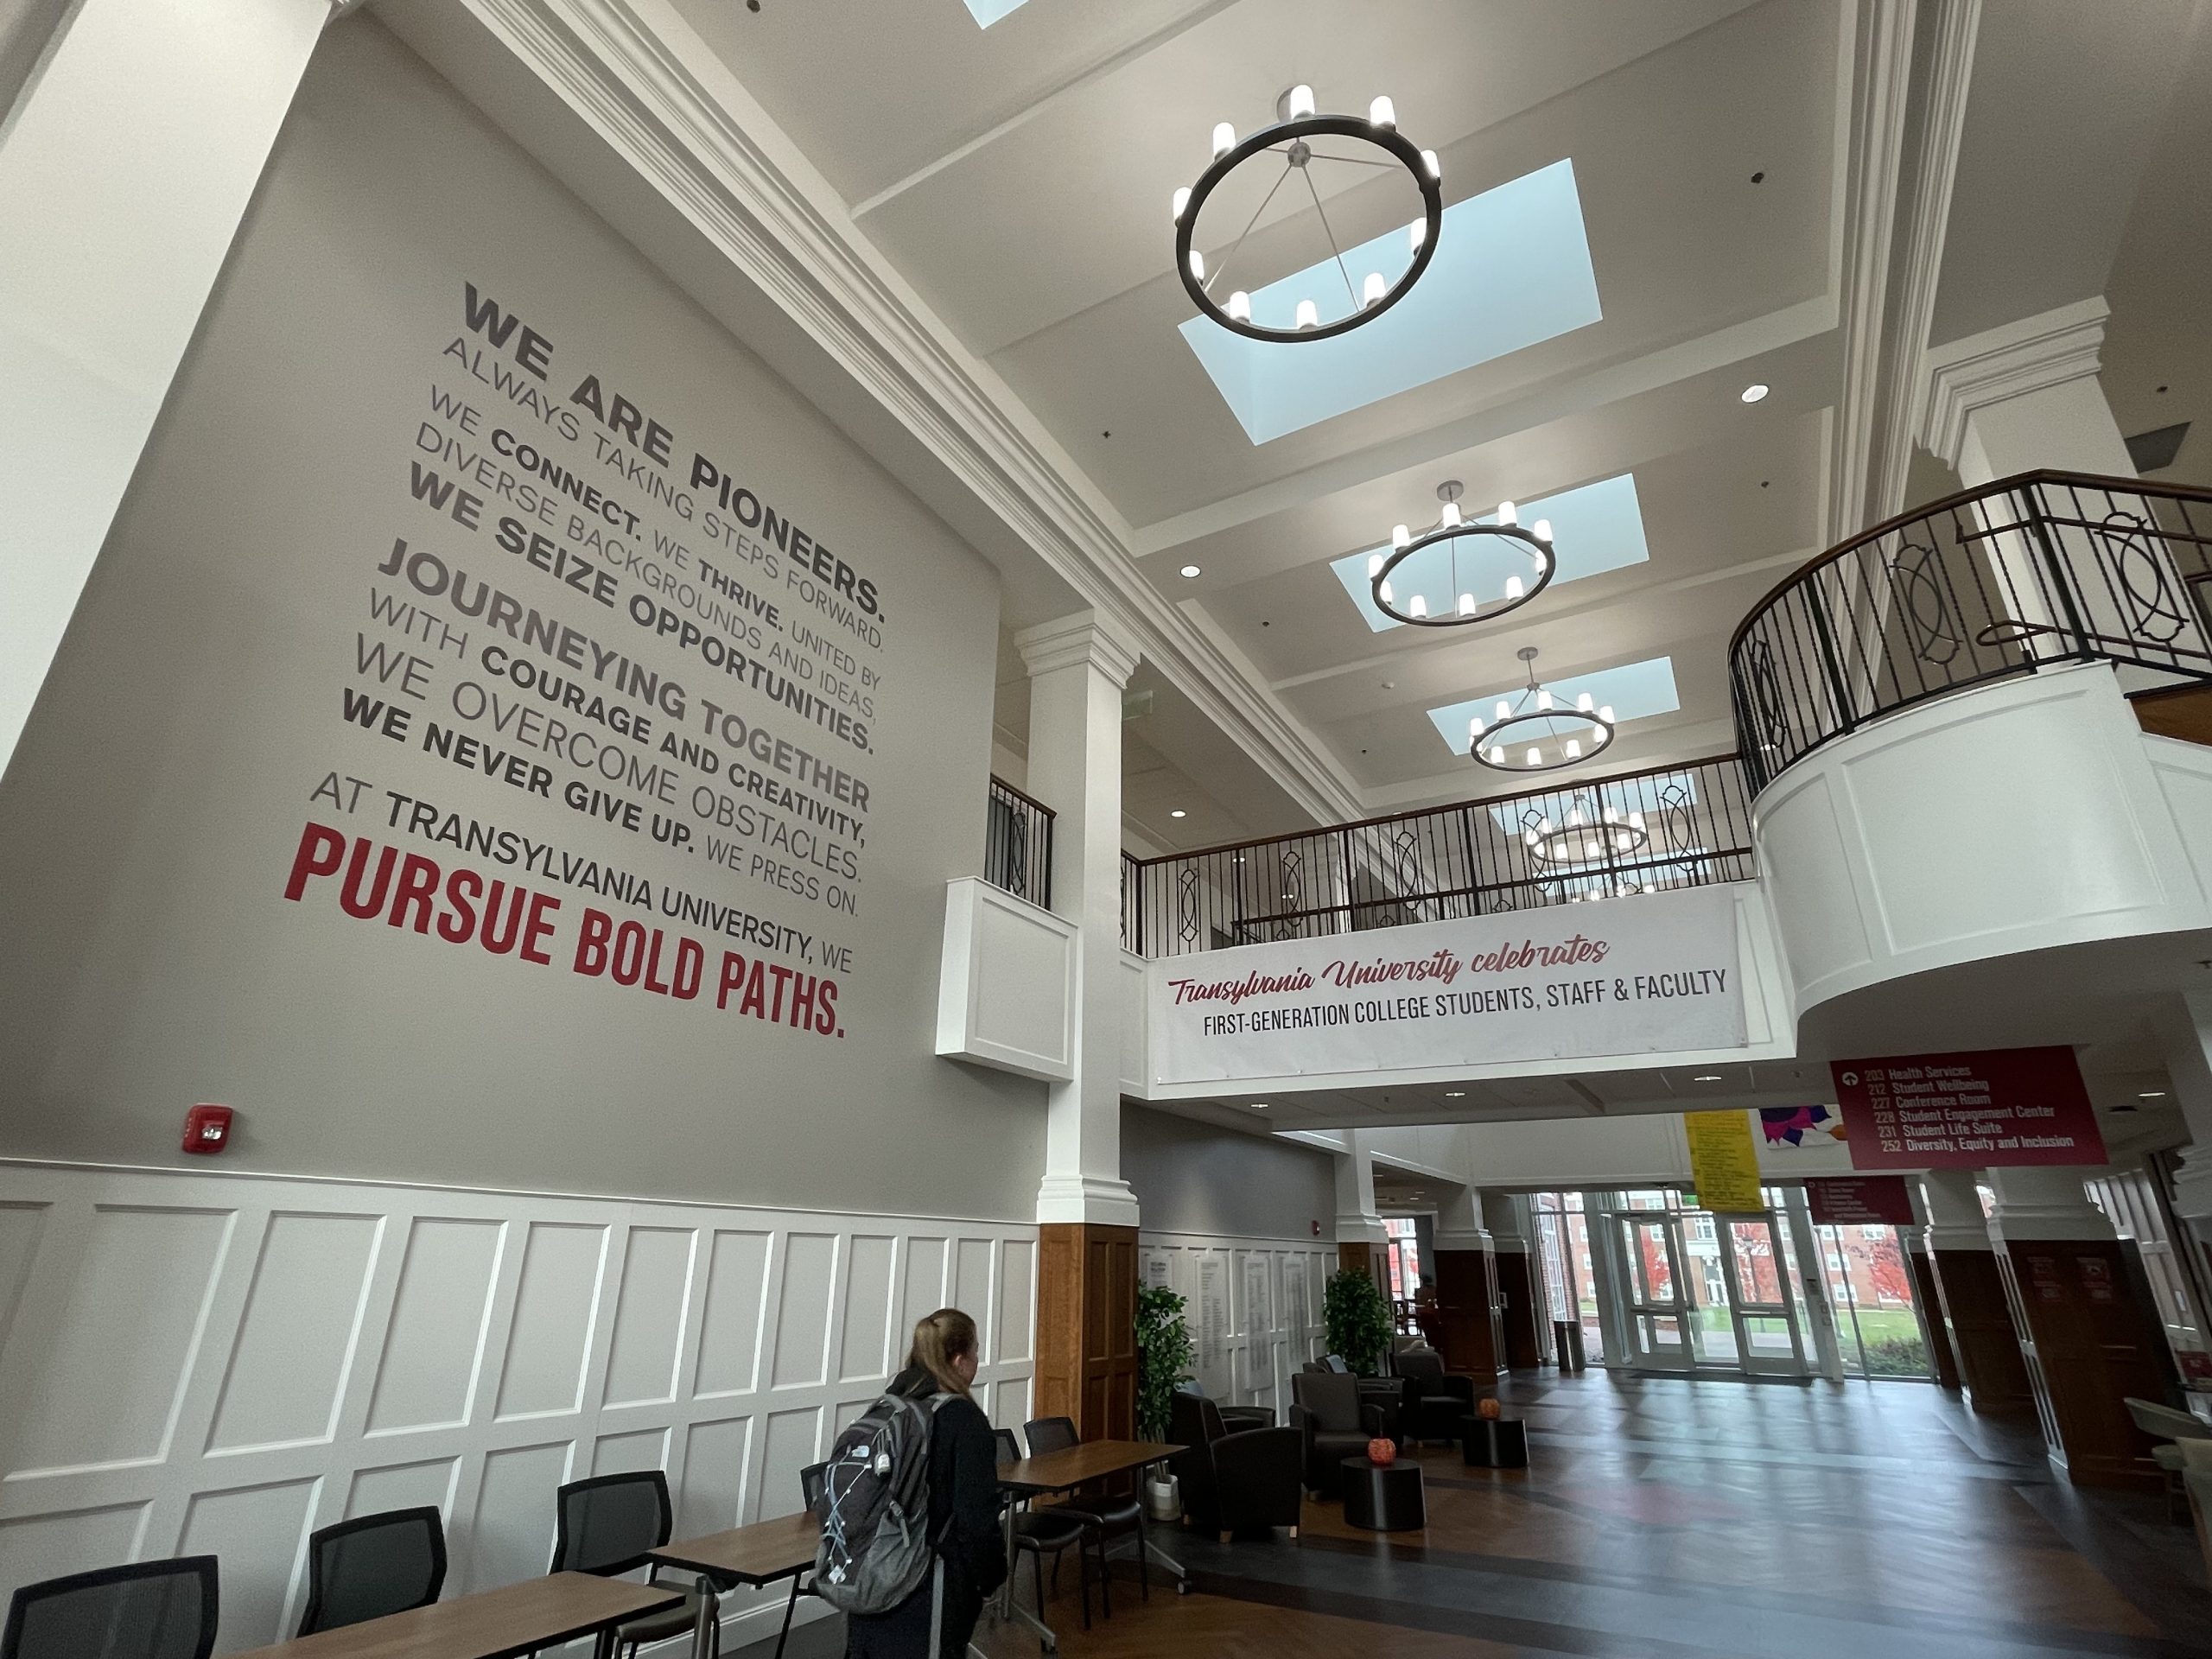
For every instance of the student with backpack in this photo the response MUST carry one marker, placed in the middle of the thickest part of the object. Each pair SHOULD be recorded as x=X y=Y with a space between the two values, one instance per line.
x=910 y=1506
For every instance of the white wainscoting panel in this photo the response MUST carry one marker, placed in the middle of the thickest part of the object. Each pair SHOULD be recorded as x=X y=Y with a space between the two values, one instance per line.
x=195 y=1362
x=1269 y=1320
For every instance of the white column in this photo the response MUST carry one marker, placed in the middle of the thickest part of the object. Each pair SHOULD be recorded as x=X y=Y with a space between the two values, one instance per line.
x=125 y=173
x=1077 y=668
x=1357 y=1220
x=1460 y=1222
x=2024 y=396
x=2040 y=1201
x=1953 y=1203
x=1505 y=1215
x=2183 y=1024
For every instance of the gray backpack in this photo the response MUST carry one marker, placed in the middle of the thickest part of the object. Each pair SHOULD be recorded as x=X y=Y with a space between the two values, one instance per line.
x=874 y=1508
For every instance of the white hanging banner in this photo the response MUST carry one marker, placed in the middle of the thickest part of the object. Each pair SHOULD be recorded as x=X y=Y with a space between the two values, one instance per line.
x=1649 y=974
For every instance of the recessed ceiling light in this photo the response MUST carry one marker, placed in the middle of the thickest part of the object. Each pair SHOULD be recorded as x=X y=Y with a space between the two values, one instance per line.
x=2151 y=1094
x=1455 y=1094
x=1259 y=1105
x=1755 y=390
x=1190 y=569
x=1706 y=1076
x=1178 y=813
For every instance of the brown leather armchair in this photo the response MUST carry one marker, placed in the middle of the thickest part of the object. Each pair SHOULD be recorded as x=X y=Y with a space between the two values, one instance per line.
x=1237 y=1481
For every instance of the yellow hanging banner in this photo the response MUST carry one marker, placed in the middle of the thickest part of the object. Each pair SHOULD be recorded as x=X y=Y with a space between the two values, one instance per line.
x=1724 y=1162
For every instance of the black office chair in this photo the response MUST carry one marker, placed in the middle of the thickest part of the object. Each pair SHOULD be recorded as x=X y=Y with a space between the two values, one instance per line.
x=373 y=1565
x=1039 y=1533
x=607 y=1526
x=149 y=1610
x=1110 y=1515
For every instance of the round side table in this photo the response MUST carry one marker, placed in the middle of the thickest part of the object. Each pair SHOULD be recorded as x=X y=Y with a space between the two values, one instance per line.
x=1383 y=1499
x=1494 y=1442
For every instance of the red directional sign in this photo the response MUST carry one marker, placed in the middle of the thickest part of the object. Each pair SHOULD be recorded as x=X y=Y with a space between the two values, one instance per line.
x=1967 y=1111
x=1858 y=1200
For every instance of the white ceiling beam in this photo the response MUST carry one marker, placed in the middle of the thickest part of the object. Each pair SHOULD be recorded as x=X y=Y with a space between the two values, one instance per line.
x=1510 y=413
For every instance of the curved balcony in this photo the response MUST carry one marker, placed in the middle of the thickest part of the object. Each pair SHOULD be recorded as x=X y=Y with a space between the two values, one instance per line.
x=2041 y=568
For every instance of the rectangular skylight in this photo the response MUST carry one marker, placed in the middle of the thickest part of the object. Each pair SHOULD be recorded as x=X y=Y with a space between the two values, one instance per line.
x=987 y=12
x=1595 y=527
x=1512 y=268
x=1635 y=690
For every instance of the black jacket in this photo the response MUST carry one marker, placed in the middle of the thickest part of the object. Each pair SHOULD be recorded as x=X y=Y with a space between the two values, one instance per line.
x=963 y=1485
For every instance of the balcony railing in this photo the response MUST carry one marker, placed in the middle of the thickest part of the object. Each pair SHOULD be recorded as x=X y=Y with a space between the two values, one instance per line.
x=2044 y=568
x=1018 y=845
x=1679 y=826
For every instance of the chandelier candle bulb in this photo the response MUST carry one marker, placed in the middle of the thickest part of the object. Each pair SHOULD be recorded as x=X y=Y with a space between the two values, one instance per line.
x=1543 y=703
x=1373 y=288
x=1536 y=756
x=1383 y=112
x=1505 y=514
x=1373 y=566
x=1182 y=201
x=1543 y=529
x=1449 y=519
x=1497 y=754
x=1503 y=709
x=1387 y=595
x=1399 y=537
x=1225 y=139
x=1435 y=168
x=1513 y=589
x=1418 y=605
x=1605 y=715
x=1466 y=604
x=1418 y=232
x=1309 y=314
x=1197 y=264
x=1584 y=702
x=1573 y=749
x=1301 y=103
x=1240 y=306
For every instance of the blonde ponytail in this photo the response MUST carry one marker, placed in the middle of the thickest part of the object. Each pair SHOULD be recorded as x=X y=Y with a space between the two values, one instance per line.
x=939 y=1339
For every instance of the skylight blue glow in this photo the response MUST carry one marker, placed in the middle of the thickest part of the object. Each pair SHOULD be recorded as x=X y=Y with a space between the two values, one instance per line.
x=987 y=12
x=1595 y=527
x=1635 y=690
x=1512 y=268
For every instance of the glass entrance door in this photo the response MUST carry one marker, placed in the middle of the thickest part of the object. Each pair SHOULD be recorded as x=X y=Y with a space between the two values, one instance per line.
x=1659 y=1310
x=1768 y=1340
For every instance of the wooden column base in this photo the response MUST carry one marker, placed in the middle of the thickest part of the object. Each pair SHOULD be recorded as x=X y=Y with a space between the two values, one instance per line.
x=1466 y=1286
x=1086 y=1328
x=1972 y=1294
x=1517 y=1286
x=2093 y=1339
x=1932 y=1309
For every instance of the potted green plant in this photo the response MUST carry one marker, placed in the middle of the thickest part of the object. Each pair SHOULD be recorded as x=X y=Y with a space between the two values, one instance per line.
x=1357 y=1320
x=1164 y=1356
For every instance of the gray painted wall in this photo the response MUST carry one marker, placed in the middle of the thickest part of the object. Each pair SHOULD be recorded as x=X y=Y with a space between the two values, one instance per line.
x=1191 y=1177
x=154 y=812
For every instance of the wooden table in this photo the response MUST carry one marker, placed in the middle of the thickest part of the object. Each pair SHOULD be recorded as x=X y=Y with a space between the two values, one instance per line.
x=761 y=1553
x=492 y=1624
x=1063 y=1471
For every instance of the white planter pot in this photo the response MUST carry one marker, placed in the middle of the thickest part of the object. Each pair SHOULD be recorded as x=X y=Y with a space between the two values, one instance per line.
x=1163 y=1498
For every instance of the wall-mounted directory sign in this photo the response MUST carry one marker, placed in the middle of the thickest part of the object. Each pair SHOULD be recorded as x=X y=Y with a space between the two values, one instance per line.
x=1859 y=1200
x=1967 y=1111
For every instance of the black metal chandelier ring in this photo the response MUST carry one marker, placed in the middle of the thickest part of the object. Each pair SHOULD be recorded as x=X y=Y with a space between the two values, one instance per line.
x=1596 y=841
x=1385 y=601
x=1602 y=739
x=1292 y=132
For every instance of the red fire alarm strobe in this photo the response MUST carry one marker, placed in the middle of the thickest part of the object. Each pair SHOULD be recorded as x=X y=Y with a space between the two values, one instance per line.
x=208 y=1128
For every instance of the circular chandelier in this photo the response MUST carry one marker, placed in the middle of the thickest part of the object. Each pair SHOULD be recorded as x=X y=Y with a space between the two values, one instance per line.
x=1534 y=734
x=1598 y=837
x=1453 y=534
x=1292 y=137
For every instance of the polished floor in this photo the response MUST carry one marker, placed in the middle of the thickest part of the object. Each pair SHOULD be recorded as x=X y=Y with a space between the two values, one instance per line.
x=1664 y=1519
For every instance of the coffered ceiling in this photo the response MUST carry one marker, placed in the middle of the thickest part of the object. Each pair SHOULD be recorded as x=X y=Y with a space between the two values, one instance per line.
x=1018 y=175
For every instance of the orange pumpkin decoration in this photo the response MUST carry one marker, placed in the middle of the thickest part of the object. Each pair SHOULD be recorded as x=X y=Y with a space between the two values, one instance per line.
x=1489 y=1408
x=1382 y=1452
